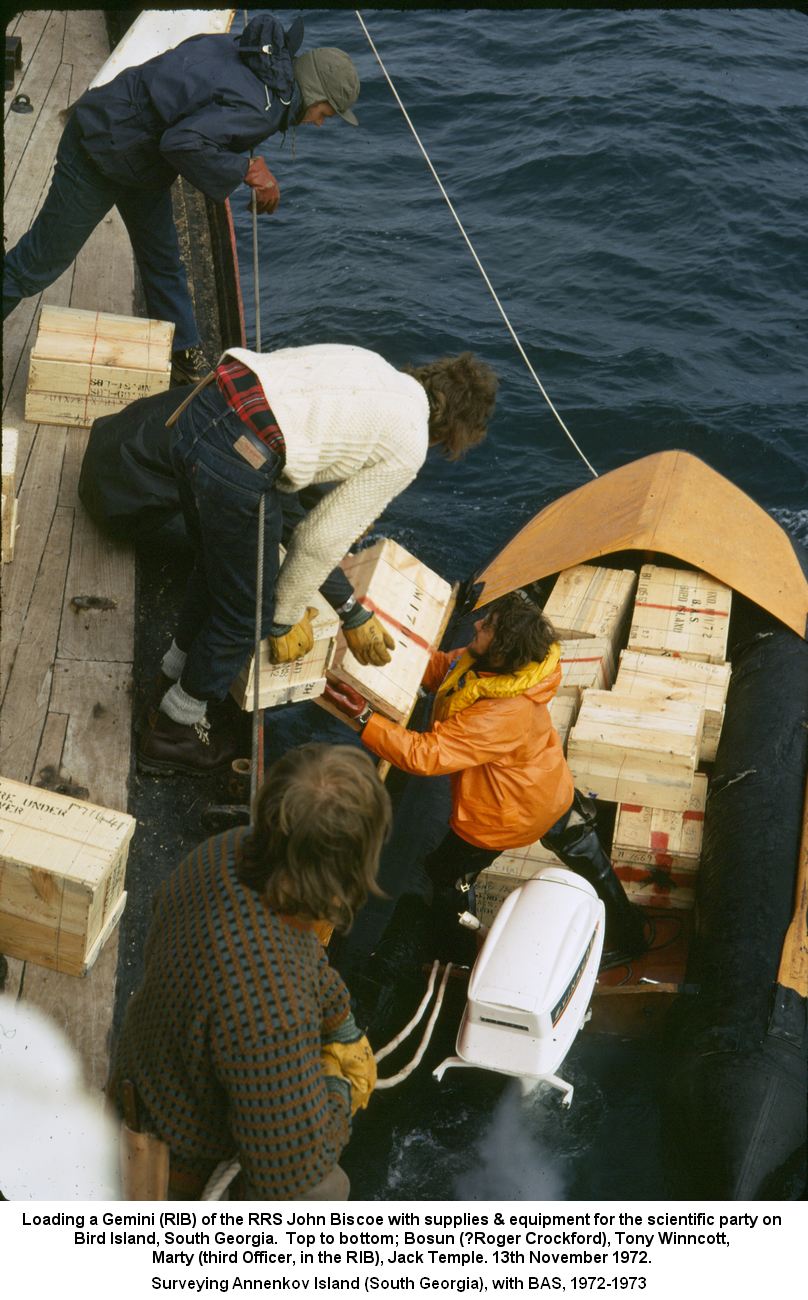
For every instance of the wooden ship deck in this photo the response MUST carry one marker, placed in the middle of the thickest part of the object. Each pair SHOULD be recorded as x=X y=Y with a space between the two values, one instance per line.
x=65 y=673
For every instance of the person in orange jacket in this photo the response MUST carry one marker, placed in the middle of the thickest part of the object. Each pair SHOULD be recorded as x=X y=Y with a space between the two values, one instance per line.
x=492 y=733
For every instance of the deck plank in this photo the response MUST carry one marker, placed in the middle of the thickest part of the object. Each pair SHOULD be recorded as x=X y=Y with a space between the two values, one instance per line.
x=27 y=696
x=51 y=748
x=32 y=176
x=97 y=700
x=86 y=47
x=37 y=496
x=103 y=568
x=66 y=687
x=81 y=1006
x=39 y=72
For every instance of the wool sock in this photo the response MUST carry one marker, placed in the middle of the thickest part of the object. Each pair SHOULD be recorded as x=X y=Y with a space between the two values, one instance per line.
x=183 y=708
x=173 y=662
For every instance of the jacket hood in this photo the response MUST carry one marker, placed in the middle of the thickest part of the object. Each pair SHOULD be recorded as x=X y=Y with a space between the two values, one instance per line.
x=268 y=51
x=463 y=685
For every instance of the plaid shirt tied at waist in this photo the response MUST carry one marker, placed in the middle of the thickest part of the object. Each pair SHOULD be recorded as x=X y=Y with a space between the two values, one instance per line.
x=241 y=388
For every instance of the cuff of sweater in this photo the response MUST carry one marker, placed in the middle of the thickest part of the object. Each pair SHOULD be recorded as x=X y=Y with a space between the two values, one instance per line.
x=354 y=616
x=335 y=1086
x=347 y=1031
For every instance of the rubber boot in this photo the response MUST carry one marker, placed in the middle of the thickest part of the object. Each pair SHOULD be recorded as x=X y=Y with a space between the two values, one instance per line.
x=578 y=847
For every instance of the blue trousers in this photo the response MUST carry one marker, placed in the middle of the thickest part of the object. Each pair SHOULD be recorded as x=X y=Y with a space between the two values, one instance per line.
x=220 y=493
x=80 y=196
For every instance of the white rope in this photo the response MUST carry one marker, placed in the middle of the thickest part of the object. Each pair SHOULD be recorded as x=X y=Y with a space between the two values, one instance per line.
x=220 y=1180
x=381 y=1084
x=473 y=251
x=416 y=1019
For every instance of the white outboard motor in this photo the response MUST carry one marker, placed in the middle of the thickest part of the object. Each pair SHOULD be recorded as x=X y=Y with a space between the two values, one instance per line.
x=532 y=982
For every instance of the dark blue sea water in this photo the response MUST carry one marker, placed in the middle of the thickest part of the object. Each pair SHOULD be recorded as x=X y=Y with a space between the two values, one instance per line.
x=635 y=186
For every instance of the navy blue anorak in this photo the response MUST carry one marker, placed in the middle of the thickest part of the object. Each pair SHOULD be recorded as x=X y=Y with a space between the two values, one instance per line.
x=195 y=111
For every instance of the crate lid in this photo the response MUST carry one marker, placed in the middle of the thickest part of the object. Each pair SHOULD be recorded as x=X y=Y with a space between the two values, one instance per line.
x=52 y=832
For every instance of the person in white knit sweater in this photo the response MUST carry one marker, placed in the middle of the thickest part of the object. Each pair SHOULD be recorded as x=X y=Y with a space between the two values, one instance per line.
x=268 y=423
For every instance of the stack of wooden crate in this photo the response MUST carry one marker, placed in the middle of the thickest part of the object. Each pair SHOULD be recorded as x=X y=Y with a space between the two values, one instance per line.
x=589 y=608
x=85 y=364
x=62 y=870
x=9 y=501
x=304 y=679
x=414 y=604
x=640 y=744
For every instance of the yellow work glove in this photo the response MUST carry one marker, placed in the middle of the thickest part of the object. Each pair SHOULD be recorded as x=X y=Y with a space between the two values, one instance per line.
x=355 y=1063
x=370 y=643
x=284 y=647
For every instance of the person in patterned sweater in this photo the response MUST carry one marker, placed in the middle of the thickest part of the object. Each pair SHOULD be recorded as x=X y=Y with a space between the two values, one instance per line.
x=240 y=1041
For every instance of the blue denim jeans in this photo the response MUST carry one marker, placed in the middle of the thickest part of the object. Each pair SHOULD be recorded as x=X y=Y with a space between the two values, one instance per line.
x=220 y=493
x=80 y=196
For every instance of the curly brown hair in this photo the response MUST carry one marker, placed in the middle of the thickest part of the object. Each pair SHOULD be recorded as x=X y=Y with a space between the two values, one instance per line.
x=522 y=632
x=321 y=819
x=462 y=392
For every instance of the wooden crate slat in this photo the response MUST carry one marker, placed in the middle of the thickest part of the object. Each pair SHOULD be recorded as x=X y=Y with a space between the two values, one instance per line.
x=563 y=712
x=586 y=664
x=636 y=750
x=304 y=679
x=657 y=837
x=62 y=869
x=411 y=601
x=506 y=873
x=591 y=601
x=85 y=364
x=679 y=679
x=680 y=612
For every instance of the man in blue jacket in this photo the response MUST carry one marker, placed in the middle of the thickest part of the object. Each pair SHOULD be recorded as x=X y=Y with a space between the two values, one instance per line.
x=194 y=111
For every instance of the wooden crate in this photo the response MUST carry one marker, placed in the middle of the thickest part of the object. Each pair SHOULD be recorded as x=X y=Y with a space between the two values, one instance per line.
x=411 y=601
x=86 y=363
x=652 y=838
x=505 y=874
x=9 y=493
x=669 y=678
x=62 y=869
x=588 y=601
x=302 y=680
x=661 y=888
x=586 y=664
x=563 y=712
x=680 y=612
x=636 y=750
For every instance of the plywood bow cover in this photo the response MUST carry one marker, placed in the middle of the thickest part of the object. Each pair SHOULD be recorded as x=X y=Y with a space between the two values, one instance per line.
x=670 y=502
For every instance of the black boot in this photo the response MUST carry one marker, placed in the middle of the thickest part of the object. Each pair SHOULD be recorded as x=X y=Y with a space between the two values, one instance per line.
x=189 y=366
x=576 y=843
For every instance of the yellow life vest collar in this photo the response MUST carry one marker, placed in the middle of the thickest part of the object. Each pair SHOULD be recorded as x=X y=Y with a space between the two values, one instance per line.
x=463 y=685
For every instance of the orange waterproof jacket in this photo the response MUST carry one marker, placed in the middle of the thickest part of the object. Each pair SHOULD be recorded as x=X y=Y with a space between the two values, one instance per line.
x=510 y=780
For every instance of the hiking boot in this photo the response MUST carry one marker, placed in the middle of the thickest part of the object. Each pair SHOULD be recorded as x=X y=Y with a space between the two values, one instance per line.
x=196 y=750
x=188 y=366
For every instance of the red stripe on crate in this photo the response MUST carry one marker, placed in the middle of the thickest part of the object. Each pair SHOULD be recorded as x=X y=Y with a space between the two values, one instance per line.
x=692 y=816
x=388 y=618
x=593 y=659
x=659 y=841
x=684 y=609
x=631 y=807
